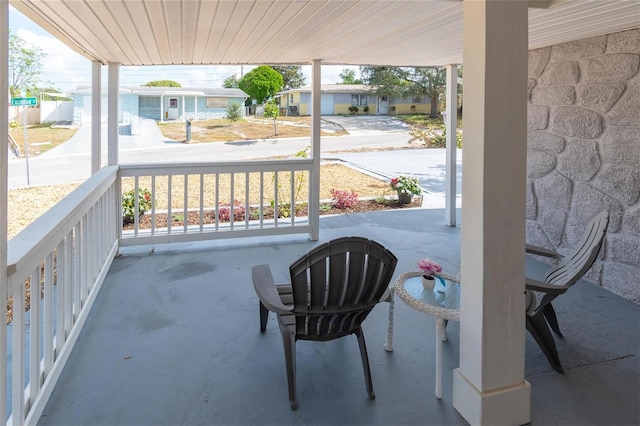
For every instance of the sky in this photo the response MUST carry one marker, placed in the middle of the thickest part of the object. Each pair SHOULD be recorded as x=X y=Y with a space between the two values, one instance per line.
x=65 y=70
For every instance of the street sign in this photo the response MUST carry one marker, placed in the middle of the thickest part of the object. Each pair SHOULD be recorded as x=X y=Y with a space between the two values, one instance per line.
x=24 y=101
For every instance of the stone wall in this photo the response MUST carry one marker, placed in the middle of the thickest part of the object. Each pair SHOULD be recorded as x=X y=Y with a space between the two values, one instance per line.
x=584 y=151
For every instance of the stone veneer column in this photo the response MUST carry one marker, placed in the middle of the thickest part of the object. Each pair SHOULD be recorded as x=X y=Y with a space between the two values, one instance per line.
x=584 y=151
x=489 y=386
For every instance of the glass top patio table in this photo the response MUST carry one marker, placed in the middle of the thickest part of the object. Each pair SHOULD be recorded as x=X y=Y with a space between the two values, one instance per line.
x=442 y=303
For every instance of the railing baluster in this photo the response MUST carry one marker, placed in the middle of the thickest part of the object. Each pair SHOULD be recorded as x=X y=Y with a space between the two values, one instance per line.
x=185 y=218
x=68 y=284
x=136 y=205
x=247 y=209
x=35 y=377
x=153 y=205
x=261 y=202
x=17 y=373
x=276 y=202
x=48 y=315
x=201 y=215
x=217 y=202
x=61 y=295
x=232 y=203
x=293 y=200
x=170 y=202
x=77 y=271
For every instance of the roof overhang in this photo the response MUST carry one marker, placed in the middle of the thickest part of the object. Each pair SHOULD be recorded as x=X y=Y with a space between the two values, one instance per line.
x=356 y=32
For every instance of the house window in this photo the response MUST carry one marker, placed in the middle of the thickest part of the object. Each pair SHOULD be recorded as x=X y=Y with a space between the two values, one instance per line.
x=418 y=99
x=358 y=99
x=217 y=102
x=291 y=98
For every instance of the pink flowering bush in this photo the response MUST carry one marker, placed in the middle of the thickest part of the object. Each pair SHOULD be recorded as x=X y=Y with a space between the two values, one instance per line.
x=344 y=199
x=224 y=211
x=429 y=267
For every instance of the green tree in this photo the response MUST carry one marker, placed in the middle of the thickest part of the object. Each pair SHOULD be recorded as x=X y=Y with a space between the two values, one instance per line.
x=234 y=111
x=25 y=64
x=163 y=83
x=292 y=76
x=261 y=83
x=385 y=80
x=271 y=110
x=230 y=82
x=405 y=81
x=348 y=76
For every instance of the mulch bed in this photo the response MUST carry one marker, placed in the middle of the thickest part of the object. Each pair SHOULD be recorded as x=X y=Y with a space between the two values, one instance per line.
x=193 y=217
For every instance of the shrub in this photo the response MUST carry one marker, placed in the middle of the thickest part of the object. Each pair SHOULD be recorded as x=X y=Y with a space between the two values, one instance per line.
x=234 y=111
x=129 y=202
x=224 y=211
x=353 y=109
x=344 y=199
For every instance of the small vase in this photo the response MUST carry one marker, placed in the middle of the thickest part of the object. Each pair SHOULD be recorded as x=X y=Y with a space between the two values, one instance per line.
x=404 y=197
x=428 y=282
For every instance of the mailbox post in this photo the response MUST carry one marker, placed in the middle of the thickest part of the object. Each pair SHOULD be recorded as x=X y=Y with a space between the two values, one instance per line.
x=188 y=130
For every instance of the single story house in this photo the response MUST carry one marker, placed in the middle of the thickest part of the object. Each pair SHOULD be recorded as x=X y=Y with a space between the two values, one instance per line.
x=336 y=99
x=161 y=103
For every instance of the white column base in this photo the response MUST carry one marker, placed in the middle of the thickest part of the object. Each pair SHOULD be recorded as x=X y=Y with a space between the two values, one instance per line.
x=505 y=406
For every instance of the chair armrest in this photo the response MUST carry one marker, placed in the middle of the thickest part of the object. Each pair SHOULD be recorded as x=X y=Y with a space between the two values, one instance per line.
x=386 y=296
x=544 y=287
x=541 y=251
x=266 y=290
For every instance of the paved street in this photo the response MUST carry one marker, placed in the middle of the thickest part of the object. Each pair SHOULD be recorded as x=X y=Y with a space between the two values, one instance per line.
x=374 y=143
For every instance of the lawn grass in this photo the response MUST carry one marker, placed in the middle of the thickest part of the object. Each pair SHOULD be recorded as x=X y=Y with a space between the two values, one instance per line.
x=39 y=134
x=224 y=130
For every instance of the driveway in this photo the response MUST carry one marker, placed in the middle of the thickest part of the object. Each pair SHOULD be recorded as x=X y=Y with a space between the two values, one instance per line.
x=368 y=124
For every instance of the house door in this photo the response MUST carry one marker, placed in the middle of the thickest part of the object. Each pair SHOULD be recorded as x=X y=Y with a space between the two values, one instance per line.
x=172 y=111
x=383 y=105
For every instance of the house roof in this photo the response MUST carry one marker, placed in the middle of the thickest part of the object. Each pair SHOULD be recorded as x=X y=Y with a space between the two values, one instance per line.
x=358 y=32
x=175 y=91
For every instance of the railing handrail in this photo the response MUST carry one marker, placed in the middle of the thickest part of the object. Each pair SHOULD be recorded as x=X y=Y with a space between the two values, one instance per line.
x=42 y=236
x=128 y=170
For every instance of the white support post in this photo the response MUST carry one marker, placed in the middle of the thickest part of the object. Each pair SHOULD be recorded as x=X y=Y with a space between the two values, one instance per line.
x=184 y=110
x=162 y=108
x=451 y=124
x=96 y=116
x=112 y=123
x=489 y=386
x=4 y=197
x=314 y=178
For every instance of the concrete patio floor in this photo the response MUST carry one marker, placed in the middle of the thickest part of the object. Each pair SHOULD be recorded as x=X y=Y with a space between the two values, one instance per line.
x=174 y=339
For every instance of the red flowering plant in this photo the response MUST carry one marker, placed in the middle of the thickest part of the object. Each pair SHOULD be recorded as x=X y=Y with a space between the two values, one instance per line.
x=129 y=202
x=406 y=184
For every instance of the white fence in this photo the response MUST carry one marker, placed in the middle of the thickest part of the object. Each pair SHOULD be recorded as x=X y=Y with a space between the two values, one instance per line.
x=70 y=247
x=51 y=111
x=67 y=252
x=225 y=200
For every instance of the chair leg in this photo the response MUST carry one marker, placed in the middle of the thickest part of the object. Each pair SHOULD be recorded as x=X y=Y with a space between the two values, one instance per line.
x=550 y=315
x=264 y=316
x=537 y=326
x=365 y=363
x=289 y=342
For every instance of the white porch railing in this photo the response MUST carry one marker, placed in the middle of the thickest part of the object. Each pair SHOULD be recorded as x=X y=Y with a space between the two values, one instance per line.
x=226 y=200
x=71 y=246
x=68 y=252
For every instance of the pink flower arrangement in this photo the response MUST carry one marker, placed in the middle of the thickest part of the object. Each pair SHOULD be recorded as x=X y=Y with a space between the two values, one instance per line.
x=429 y=267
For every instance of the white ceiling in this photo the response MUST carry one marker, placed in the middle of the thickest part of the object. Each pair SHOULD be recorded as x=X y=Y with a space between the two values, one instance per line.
x=356 y=32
